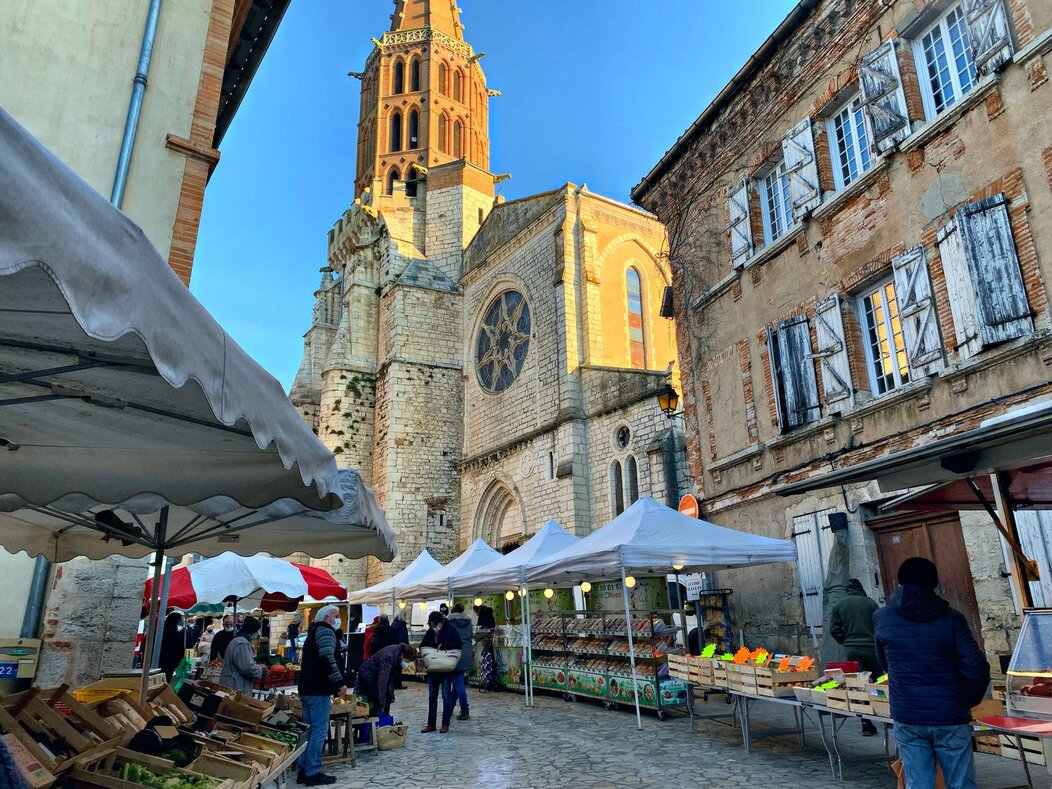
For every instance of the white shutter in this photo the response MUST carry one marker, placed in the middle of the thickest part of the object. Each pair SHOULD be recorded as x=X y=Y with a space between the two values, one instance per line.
x=796 y=372
x=959 y=289
x=989 y=34
x=883 y=98
x=1035 y=538
x=814 y=541
x=740 y=225
x=920 y=328
x=832 y=355
x=798 y=146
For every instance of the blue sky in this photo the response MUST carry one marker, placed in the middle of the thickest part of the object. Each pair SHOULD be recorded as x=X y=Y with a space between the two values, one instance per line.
x=595 y=91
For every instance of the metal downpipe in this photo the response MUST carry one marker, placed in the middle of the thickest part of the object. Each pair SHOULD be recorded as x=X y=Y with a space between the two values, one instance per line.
x=131 y=125
x=35 y=603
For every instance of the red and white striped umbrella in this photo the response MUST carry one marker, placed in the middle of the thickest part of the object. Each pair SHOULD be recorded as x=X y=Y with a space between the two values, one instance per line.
x=255 y=581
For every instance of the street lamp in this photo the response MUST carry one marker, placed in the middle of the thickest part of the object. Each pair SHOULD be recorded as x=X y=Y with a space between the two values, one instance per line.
x=668 y=401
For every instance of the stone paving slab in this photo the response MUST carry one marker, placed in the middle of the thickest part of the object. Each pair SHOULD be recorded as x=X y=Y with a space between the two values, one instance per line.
x=561 y=745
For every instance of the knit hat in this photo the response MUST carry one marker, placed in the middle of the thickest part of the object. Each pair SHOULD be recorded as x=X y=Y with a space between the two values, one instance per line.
x=250 y=626
x=918 y=571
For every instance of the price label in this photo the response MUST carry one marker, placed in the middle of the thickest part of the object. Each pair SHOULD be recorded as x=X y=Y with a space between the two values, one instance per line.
x=8 y=670
x=693 y=583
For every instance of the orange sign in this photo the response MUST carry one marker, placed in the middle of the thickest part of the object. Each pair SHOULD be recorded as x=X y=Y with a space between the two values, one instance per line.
x=688 y=505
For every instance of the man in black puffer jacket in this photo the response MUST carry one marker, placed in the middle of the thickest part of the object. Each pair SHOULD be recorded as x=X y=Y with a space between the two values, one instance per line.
x=936 y=674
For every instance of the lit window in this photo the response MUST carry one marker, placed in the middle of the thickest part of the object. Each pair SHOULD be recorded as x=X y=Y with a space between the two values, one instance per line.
x=849 y=143
x=944 y=60
x=636 y=345
x=885 y=348
x=776 y=205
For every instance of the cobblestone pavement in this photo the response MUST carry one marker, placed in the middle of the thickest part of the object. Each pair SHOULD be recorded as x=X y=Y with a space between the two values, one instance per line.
x=560 y=745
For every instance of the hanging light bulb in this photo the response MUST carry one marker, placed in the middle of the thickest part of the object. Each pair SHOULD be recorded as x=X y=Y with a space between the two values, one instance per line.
x=401 y=603
x=478 y=601
x=549 y=593
x=509 y=595
x=586 y=587
x=423 y=606
x=522 y=591
x=630 y=581
x=677 y=567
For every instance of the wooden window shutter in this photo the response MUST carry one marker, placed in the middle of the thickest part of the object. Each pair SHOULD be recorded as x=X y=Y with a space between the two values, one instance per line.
x=920 y=327
x=798 y=147
x=989 y=34
x=985 y=237
x=814 y=541
x=959 y=289
x=883 y=98
x=740 y=225
x=774 y=354
x=796 y=372
x=832 y=355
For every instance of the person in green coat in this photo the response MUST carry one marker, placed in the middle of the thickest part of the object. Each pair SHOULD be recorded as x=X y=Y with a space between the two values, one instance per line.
x=851 y=624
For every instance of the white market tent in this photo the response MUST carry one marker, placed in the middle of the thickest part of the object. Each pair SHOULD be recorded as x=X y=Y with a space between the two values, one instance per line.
x=651 y=539
x=443 y=581
x=510 y=571
x=418 y=569
x=118 y=388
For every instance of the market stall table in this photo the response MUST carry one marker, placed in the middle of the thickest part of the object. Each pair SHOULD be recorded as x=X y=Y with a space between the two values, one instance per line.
x=1017 y=728
x=340 y=742
x=837 y=718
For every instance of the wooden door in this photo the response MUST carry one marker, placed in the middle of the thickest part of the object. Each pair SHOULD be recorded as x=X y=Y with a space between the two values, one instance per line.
x=935 y=537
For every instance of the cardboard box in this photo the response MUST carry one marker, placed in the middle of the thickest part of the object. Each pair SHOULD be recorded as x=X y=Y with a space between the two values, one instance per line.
x=988 y=708
x=35 y=774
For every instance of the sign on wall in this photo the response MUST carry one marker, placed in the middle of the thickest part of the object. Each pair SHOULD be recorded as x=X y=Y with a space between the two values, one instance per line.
x=688 y=505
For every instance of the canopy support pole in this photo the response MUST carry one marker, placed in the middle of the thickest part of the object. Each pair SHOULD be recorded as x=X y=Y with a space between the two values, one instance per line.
x=527 y=645
x=155 y=593
x=631 y=647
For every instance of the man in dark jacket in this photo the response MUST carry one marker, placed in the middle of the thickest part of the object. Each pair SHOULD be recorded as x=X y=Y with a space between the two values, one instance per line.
x=851 y=624
x=320 y=678
x=936 y=674
x=376 y=677
x=442 y=636
x=222 y=639
x=462 y=624
x=384 y=635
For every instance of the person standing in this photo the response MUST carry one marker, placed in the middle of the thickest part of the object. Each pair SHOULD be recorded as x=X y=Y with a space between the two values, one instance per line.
x=459 y=621
x=222 y=639
x=851 y=625
x=173 y=644
x=320 y=678
x=376 y=677
x=440 y=635
x=240 y=669
x=402 y=633
x=292 y=633
x=486 y=620
x=936 y=674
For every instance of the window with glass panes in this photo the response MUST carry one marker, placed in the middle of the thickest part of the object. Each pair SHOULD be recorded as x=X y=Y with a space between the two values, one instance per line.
x=636 y=341
x=776 y=203
x=885 y=347
x=944 y=62
x=849 y=143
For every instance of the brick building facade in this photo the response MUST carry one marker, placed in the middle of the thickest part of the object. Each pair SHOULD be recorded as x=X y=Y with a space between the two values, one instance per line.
x=486 y=365
x=860 y=229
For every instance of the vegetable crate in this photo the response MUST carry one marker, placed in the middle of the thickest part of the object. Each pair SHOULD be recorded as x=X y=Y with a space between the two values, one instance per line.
x=244 y=776
x=780 y=684
x=700 y=670
x=838 y=699
x=1032 y=749
x=679 y=667
x=719 y=674
x=119 y=768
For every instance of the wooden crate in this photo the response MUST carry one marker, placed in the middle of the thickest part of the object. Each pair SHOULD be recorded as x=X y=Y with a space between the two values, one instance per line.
x=837 y=699
x=991 y=743
x=859 y=701
x=244 y=776
x=162 y=700
x=276 y=747
x=1032 y=749
x=701 y=675
x=779 y=684
x=859 y=681
x=679 y=667
x=719 y=675
x=879 y=707
x=79 y=715
x=260 y=760
x=104 y=770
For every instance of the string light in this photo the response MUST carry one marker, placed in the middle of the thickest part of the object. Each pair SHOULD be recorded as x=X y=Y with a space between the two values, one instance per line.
x=677 y=567
x=423 y=606
x=522 y=592
x=630 y=581
x=478 y=601
x=509 y=595
x=549 y=593
x=586 y=587
x=401 y=603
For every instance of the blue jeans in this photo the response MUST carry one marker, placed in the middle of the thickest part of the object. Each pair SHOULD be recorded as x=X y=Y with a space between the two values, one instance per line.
x=461 y=689
x=316 y=715
x=920 y=746
x=290 y=654
x=443 y=682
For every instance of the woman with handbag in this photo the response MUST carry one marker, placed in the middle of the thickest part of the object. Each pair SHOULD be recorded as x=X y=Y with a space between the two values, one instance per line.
x=444 y=638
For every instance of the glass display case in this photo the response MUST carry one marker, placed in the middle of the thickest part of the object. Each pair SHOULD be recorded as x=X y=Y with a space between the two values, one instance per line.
x=1030 y=672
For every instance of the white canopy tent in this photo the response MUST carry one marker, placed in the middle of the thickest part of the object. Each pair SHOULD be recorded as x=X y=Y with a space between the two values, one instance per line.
x=115 y=382
x=444 y=580
x=510 y=571
x=418 y=569
x=651 y=539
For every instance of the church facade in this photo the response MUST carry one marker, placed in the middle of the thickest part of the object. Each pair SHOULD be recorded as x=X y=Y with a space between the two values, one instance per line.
x=485 y=364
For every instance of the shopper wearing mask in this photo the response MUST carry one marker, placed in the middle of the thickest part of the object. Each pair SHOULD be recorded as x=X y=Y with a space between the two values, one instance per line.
x=440 y=635
x=222 y=639
x=173 y=641
x=319 y=679
x=462 y=624
x=376 y=677
x=239 y=665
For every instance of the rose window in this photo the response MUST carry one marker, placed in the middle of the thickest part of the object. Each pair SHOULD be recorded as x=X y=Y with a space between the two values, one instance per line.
x=503 y=341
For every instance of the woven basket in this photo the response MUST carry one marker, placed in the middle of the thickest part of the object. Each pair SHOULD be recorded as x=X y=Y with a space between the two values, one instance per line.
x=440 y=661
x=389 y=738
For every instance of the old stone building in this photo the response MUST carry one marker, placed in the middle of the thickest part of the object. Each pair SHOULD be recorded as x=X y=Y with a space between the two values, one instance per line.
x=860 y=229
x=486 y=365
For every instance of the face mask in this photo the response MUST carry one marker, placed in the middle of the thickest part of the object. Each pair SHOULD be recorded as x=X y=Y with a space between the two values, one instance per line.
x=338 y=623
x=436 y=628
x=229 y=628
x=180 y=628
x=405 y=664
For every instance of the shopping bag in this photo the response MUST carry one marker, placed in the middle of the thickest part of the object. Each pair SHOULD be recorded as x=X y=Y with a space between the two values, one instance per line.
x=440 y=661
x=896 y=767
x=182 y=671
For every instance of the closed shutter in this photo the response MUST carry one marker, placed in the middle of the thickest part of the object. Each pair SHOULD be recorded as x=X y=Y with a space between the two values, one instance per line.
x=883 y=98
x=796 y=373
x=798 y=146
x=989 y=34
x=774 y=354
x=920 y=328
x=959 y=290
x=1035 y=538
x=740 y=226
x=832 y=355
x=814 y=541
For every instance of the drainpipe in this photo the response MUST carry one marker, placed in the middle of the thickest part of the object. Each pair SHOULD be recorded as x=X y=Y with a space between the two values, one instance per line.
x=131 y=125
x=35 y=603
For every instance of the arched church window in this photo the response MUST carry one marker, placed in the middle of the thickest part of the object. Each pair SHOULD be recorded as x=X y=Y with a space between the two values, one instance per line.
x=636 y=344
x=396 y=131
x=443 y=133
x=458 y=140
x=412 y=178
x=631 y=480
x=414 y=75
x=503 y=341
x=414 y=129
x=399 y=77
x=391 y=178
x=443 y=78
x=617 y=490
x=458 y=86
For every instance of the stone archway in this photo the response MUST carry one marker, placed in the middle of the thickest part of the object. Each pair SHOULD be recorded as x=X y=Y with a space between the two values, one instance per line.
x=498 y=519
